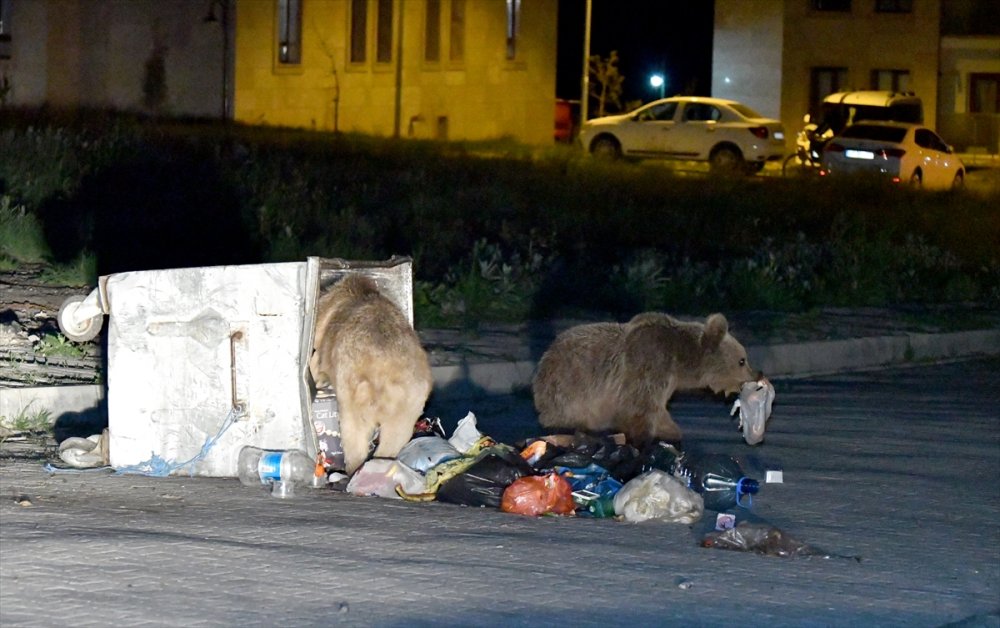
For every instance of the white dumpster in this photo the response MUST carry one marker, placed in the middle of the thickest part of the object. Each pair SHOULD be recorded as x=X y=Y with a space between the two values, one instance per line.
x=189 y=347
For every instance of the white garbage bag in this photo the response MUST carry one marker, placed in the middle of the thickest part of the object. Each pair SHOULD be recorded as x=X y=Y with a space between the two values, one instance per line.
x=658 y=495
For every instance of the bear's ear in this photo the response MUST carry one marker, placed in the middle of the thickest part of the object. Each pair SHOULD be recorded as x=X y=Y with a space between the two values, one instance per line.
x=716 y=328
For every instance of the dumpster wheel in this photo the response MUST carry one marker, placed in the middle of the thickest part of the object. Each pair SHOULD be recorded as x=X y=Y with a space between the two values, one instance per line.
x=78 y=331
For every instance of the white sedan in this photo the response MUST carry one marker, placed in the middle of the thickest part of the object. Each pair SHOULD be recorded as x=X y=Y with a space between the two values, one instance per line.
x=902 y=152
x=729 y=135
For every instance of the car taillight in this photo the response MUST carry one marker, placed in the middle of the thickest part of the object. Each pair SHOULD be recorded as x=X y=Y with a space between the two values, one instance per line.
x=833 y=147
x=891 y=152
x=759 y=131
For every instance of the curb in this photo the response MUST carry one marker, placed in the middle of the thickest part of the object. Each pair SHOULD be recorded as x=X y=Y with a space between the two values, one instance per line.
x=477 y=379
x=786 y=361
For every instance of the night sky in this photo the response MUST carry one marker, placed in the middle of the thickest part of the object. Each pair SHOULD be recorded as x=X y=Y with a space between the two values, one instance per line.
x=651 y=36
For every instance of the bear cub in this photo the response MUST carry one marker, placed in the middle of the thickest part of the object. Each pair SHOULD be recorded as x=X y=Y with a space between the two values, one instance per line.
x=608 y=376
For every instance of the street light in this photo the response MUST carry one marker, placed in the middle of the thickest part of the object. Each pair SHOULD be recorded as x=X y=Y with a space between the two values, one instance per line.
x=658 y=82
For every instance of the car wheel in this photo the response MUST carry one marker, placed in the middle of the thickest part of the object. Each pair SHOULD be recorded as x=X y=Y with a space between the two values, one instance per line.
x=916 y=180
x=726 y=160
x=959 y=181
x=606 y=148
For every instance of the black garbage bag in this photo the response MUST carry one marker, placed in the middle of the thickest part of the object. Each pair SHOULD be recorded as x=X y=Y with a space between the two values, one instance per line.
x=483 y=483
x=621 y=460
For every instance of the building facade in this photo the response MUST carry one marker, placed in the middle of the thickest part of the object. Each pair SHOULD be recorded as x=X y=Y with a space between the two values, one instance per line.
x=159 y=56
x=445 y=69
x=449 y=69
x=784 y=56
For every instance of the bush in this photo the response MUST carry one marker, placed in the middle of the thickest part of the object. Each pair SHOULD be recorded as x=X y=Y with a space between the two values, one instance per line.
x=497 y=231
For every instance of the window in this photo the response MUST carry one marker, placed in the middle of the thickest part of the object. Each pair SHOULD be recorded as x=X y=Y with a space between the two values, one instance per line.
x=984 y=93
x=383 y=32
x=513 y=25
x=290 y=31
x=432 y=32
x=893 y=6
x=456 y=52
x=822 y=83
x=831 y=5
x=359 y=31
x=701 y=112
x=891 y=80
x=4 y=31
x=925 y=138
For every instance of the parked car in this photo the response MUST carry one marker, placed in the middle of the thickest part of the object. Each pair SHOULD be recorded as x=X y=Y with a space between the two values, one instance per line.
x=902 y=152
x=841 y=109
x=729 y=135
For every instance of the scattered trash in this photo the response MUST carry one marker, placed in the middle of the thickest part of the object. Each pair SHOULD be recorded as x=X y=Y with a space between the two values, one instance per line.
x=23 y=500
x=539 y=495
x=380 y=477
x=765 y=540
x=424 y=452
x=720 y=481
x=278 y=470
x=85 y=453
x=658 y=495
x=484 y=483
x=326 y=421
x=754 y=407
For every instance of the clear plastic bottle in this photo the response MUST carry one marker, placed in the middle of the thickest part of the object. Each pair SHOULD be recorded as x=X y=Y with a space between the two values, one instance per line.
x=720 y=481
x=281 y=469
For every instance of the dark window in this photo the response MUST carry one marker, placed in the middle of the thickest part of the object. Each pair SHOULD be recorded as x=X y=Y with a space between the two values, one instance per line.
x=513 y=25
x=822 y=83
x=663 y=112
x=383 y=32
x=456 y=51
x=873 y=132
x=831 y=5
x=893 y=6
x=4 y=36
x=290 y=31
x=925 y=138
x=432 y=31
x=891 y=80
x=359 y=31
x=984 y=93
x=701 y=112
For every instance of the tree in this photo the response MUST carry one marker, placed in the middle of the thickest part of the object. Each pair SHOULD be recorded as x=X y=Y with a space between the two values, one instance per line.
x=605 y=81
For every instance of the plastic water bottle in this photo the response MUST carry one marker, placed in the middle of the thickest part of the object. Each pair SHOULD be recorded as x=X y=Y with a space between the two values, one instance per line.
x=720 y=481
x=279 y=469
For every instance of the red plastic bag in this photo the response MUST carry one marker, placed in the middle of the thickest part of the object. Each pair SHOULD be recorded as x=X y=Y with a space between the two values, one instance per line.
x=539 y=495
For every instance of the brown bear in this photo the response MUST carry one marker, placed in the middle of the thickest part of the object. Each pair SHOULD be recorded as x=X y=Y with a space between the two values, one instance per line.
x=620 y=377
x=366 y=349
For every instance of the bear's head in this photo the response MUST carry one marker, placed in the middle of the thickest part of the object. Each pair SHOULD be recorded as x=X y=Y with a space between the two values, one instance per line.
x=724 y=364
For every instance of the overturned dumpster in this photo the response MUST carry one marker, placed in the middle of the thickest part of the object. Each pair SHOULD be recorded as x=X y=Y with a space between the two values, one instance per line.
x=204 y=361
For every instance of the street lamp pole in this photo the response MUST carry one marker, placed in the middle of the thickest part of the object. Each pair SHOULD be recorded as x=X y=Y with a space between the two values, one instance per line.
x=223 y=22
x=586 y=66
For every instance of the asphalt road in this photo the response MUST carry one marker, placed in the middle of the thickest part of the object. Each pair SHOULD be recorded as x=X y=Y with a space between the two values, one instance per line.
x=900 y=468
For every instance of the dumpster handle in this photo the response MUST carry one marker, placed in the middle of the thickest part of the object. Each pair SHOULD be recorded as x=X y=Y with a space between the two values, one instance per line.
x=233 y=339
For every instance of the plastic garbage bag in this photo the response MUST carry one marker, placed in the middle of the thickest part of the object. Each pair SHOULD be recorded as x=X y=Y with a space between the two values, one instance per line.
x=762 y=539
x=580 y=450
x=425 y=452
x=754 y=407
x=539 y=495
x=484 y=483
x=658 y=495
x=466 y=434
x=379 y=477
x=85 y=453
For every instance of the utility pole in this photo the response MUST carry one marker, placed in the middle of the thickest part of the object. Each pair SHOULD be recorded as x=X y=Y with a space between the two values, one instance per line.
x=586 y=66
